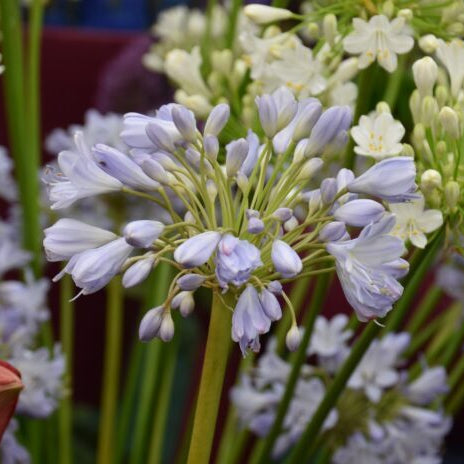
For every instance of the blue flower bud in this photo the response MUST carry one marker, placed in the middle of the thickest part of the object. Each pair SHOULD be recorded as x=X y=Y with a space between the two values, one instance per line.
x=160 y=137
x=267 y=111
x=190 y=282
x=359 y=213
x=150 y=324
x=194 y=158
x=185 y=122
x=252 y=155
x=121 y=167
x=217 y=119
x=328 y=190
x=197 y=250
x=286 y=261
x=282 y=214
x=211 y=147
x=138 y=272
x=332 y=232
x=166 y=330
x=333 y=121
x=293 y=338
x=252 y=213
x=275 y=287
x=185 y=302
x=271 y=306
x=255 y=225
x=155 y=170
x=143 y=233
x=305 y=121
x=236 y=153
x=392 y=179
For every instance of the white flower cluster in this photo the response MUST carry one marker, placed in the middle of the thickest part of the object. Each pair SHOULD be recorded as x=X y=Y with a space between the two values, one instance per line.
x=393 y=419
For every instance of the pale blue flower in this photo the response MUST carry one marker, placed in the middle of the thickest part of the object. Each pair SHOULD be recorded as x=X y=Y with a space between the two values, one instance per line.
x=271 y=305
x=428 y=386
x=138 y=272
x=190 y=281
x=366 y=267
x=249 y=320
x=235 y=261
x=359 y=213
x=217 y=119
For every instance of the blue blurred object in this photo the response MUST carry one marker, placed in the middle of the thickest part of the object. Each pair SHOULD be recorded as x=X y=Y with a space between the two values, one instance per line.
x=106 y=14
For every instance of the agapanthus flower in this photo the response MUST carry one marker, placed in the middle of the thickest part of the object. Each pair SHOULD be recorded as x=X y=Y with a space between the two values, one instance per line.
x=236 y=230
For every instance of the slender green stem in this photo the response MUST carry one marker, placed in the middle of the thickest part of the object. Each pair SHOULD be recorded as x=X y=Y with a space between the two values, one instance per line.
x=233 y=19
x=428 y=303
x=67 y=342
x=151 y=368
x=112 y=361
x=419 y=266
x=263 y=451
x=456 y=373
x=206 y=41
x=395 y=79
x=163 y=402
x=212 y=376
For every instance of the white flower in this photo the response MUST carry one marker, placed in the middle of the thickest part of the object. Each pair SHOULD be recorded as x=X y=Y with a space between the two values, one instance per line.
x=451 y=54
x=8 y=189
x=378 y=135
x=413 y=222
x=42 y=378
x=379 y=39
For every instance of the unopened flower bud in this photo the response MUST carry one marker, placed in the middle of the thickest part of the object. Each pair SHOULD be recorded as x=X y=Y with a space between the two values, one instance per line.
x=282 y=214
x=306 y=120
x=138 y=272
x=160 y=137
x=222 y=61
x=263 y=14
x=405 y=13
x=388 y=8
x=332 y=232
x=452 y=194
x=442 y=95
x=285 y=259
x=156 y=171
x=359 y=213
x=449 y=120
x=211 y=188
x=185 y=302
x=268 y=114
x=211 y=147
x=329 y=28
x=407 y=150
x=255 y=225
x=166 y=330
x=383 y=107
x=415 y=105
x=441 y=149
x=291 y=224
x=419 y=133
x=150 y=324
x=236 y=152
x=270 y=304
x=197 y=250
x=328 y=190
x=217 y=119
x=310 y=168
x=425 y=72
x=428 y=43
x=430 y=179
x=185 y=122
x=242 y=182
x=143 y=233
x=275 y=287
x=313 y=31
x=190 y=282
x=293 y=338
x=429 y=110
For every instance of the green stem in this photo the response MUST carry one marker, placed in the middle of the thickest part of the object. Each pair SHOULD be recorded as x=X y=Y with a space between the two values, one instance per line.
x=456 y=373
x=163 y=402
x=394 y=83
x=233 y=19
x=428 y=303
x=112 y=361
x=419 y=266
x=206 y=41
x=212 y=376
x=263 y=451
x=67 y=341
x=151 y=371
